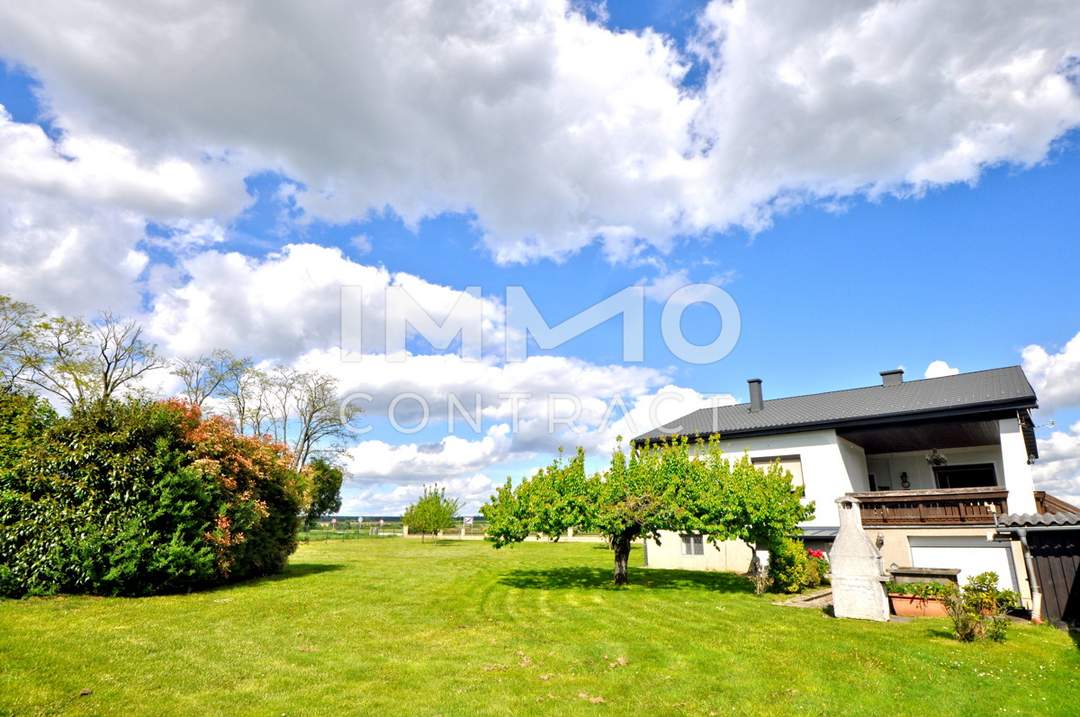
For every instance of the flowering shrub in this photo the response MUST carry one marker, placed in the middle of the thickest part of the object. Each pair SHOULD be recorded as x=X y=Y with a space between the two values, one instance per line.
x=137 y=498
x=794 y=568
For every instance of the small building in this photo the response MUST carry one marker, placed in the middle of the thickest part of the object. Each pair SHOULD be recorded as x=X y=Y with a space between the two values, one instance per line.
x=932 y=461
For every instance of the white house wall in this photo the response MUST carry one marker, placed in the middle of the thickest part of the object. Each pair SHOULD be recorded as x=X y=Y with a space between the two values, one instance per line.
x=831 y=466
x=727 y=556
x=1017 y=471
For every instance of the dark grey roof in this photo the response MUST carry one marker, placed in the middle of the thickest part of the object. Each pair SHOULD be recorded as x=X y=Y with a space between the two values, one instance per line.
x=1035 y=520
x=994 y=388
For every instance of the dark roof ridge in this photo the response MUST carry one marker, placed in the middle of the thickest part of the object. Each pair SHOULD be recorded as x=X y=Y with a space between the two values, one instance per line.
x=874 y=385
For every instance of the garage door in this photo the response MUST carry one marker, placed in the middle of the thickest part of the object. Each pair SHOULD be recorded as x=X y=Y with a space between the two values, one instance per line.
x=972 y=555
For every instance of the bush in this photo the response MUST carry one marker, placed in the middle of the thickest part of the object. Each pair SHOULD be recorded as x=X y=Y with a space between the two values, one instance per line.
x=977 y=610
x=137 y=498
x=793 y=568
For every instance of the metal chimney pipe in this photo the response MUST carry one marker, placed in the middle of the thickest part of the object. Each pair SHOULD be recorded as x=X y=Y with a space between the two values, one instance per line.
x=756 y=402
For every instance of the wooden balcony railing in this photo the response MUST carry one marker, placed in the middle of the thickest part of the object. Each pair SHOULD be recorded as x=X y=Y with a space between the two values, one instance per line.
x=937 y=506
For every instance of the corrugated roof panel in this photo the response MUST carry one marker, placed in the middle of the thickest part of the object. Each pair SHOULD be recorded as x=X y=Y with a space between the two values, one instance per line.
x=963 y=390
x=1036 y=520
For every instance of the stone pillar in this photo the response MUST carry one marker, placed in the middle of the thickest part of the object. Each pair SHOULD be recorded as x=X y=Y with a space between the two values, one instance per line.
x=856 y=570
x=463 y=532
x=404 y=531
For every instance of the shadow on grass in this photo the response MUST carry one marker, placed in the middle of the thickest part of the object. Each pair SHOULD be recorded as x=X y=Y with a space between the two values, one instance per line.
x=941 y=632
x=302 y=570
x=648 y=578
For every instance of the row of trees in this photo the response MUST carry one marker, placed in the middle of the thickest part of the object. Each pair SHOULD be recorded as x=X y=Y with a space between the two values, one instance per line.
x=301 y=409
x=682 y=487
x=80 y=363
x=120 y=492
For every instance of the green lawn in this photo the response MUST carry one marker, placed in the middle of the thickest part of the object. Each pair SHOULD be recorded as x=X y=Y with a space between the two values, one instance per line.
x=396 y=627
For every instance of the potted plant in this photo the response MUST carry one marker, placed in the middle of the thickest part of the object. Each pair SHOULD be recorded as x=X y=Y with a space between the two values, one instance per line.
x=924 y=599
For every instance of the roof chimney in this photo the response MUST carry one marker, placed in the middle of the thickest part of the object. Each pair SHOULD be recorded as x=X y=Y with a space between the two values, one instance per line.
x=892 y=377
x=756 y=404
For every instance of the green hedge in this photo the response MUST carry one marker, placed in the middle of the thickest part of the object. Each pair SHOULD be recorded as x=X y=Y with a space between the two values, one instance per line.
x=137 y=498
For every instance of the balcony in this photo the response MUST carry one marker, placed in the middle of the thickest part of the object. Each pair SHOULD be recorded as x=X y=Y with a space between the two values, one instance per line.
x=936 y=506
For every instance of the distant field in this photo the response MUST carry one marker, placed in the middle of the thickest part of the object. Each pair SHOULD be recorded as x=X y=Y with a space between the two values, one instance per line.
x=397 y=627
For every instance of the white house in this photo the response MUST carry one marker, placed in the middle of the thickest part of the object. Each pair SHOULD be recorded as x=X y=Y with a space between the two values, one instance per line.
x=931 y=462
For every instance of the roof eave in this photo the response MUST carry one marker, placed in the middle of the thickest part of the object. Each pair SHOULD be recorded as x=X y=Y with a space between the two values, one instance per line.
x=1012 y=404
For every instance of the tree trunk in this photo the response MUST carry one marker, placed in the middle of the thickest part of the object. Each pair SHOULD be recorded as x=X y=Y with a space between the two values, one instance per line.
x=621 y=545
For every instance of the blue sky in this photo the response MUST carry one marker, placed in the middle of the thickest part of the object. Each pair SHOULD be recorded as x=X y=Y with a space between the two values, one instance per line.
x=896 y=222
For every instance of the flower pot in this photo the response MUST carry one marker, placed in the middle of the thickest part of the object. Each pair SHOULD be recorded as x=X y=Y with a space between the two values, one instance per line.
x=911 y=606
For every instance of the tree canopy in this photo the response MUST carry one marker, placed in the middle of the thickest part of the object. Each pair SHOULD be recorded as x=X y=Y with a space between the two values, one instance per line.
x=678 y=486
x=432 y=512
x=324 y=490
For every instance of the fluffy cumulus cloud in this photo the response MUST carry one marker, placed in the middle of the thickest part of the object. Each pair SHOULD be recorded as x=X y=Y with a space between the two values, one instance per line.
x=451 y=457
x=73 y=213
x=283 y=304
x=829 y=99
x=555 y=130
x=939 y=368
x=1055 y=375
x=1058 y=468
x=522 y=408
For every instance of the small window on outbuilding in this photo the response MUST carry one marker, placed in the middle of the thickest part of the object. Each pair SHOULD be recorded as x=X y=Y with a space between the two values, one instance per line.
x=693 y=544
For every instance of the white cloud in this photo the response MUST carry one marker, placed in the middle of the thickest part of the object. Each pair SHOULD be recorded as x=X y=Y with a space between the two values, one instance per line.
x=1058 y=469
x=939 y=368
x=1055 y=376
x=832 y=99
x=287 y=302
x=552 y=129
x=73 y=215
x=388 y=499
x=525 y=395
x=451 y=457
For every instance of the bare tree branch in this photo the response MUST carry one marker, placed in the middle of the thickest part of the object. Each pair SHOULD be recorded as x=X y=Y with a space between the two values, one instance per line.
x=209 y=375
x=16 y=324
x=81 y=363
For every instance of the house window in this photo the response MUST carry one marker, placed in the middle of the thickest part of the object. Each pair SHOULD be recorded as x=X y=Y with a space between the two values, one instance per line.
x=976 y=475
x=792 y=464
x=693 y=545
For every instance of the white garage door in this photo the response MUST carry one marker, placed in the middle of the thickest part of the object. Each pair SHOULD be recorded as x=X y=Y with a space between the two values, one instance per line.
x=972 y=555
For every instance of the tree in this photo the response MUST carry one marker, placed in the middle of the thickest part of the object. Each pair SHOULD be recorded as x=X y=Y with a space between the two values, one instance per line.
x=325 y=491
x=301 y=409
x=83 y=363
x=677 y=486
x=16 y=322
x=432 y=512
x=208 y=375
